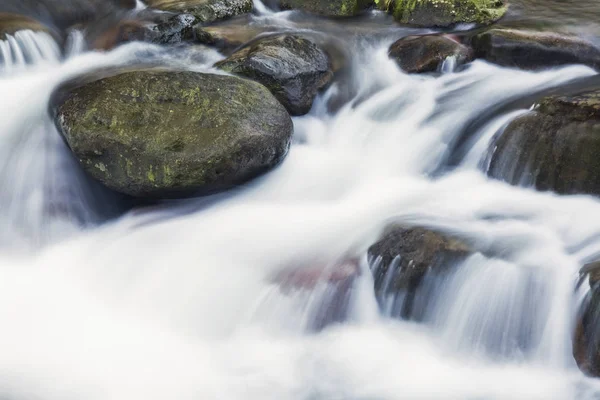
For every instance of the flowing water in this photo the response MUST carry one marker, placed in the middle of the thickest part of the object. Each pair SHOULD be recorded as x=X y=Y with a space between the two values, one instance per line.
x=182 y=300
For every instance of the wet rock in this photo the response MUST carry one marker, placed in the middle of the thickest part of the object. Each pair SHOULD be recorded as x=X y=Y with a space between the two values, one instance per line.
x=403 y=257
x=11 y=23
x=122 y=31
x=293 y=68
x=443 y=13
x=586 y=338
x=328 y=8
x=204 y=10
x=533 y=50
x=427 y=53
x=554 y=148
x=167 y=134
x=175 y=30
x=230 y=35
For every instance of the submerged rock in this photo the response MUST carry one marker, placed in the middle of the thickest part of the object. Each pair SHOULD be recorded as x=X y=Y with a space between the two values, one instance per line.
x=533 y=50
x=328 y=8
x=555 y=147
x=293 y=68
x=403 y=257
x=204 y=10
x=230 y=35
x=12 y=23
x=427 y=53
x=443 y=13
x=167 y=134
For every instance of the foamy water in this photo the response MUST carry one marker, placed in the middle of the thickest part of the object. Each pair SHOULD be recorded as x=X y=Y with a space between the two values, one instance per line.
x=180 y=301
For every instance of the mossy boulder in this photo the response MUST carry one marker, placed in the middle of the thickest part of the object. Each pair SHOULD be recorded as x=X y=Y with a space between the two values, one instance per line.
x=533 y=50
x=204 y=10
x=328 y=8
x=444 y=13
x=555 y=147
x=402 y=258
x=293 y=68
x=427 y=53
x=167 y=134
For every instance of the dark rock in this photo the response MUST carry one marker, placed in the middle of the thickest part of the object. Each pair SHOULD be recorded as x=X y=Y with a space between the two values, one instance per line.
x=168 y=134
x=417 y=252
x=107 y=37
x=554 y=148
x=586 y=338
x=204 y=10
x=175 y=30
x=443 y=13
x=328 y=8
x=533 y=50
x=293 y=68
x=427 y=53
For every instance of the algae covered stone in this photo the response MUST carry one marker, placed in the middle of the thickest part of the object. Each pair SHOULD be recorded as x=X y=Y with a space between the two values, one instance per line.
x=293 y=68
x=169 y=134
x=328 y=8
x=442 y=13
x=204 y=10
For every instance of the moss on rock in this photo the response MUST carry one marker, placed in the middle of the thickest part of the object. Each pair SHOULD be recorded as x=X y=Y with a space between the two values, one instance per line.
x=442 y=13
x=165 y=133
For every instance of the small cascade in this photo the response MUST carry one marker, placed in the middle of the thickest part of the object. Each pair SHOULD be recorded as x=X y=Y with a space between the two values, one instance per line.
x=26 y=48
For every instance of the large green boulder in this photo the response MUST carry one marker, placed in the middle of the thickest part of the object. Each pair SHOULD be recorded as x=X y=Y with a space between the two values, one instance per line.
x=555 y=147
x=292 y=67
x=328 y=8
x=533 y=50
x=169 y=134
x=204 y=10
x=443 y=13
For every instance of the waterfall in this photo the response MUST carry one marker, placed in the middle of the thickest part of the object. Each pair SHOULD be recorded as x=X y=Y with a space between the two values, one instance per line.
x=266 y=292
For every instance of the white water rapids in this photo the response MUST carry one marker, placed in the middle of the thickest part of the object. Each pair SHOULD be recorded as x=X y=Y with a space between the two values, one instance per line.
x=178 y=301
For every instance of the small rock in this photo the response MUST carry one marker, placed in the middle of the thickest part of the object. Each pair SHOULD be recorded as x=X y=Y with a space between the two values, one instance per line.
x=427 y=53
x=328 y=8
x=554 y=148
x=170 y=134
x=419 y=251
x=293 y=68
x=533 y=50
x=444 y=13
x=204 y=10
x=175 y=30
x=230 y=35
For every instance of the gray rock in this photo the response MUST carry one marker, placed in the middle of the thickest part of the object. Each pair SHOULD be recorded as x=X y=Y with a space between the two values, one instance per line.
x=293 y=68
